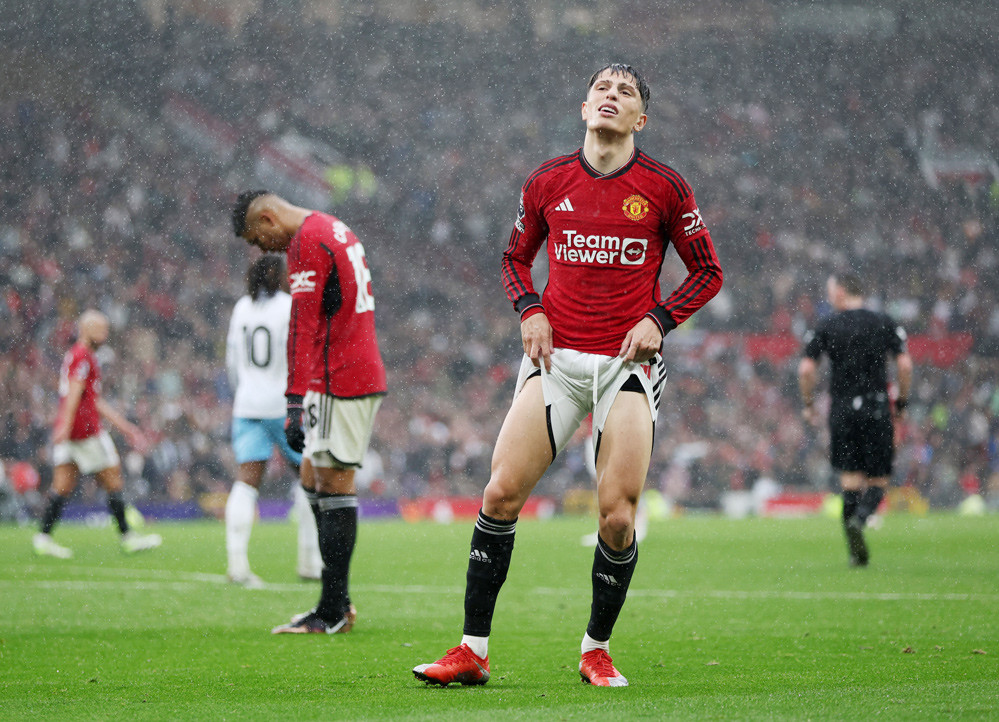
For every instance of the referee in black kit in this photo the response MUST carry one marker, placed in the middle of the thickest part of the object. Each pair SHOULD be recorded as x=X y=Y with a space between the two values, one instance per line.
x=859 y=343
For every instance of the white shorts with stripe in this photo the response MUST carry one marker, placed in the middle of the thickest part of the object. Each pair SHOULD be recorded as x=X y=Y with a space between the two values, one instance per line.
x=93 y=454
x=584 y=383
x=337 y=431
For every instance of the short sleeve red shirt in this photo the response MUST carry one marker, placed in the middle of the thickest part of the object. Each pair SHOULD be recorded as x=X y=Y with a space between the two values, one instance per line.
x=80 y=364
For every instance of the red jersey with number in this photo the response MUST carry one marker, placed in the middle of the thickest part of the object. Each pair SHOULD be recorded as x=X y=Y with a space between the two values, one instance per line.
x=332 y=347
x=80 y=364
x=607 y=238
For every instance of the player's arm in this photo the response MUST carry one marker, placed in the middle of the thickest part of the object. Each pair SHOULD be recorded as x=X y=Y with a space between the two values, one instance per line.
x=903 y=364
x=67 y=411
x=898 y=345
x=130 y=431
x=233 y=341
x=529 y=232
x=690 y=238
x=808 y=374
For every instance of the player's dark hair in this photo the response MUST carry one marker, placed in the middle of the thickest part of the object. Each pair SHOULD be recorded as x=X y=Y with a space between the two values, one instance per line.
x=264 y=276
x=241 y=206
x=625 y=69
x=850 y=282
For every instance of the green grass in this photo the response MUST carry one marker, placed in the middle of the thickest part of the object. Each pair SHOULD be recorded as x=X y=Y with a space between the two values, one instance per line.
x=754 y=619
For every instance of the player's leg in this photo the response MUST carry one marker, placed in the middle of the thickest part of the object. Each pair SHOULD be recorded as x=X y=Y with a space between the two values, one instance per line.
x=853 y=484
x=522 y=453
x=622 y=464
x=240 y=513
x=335 y=443
x=110 y=479
x=878 y=455
x=306 y=506
x=252 y=445
x=64 y=477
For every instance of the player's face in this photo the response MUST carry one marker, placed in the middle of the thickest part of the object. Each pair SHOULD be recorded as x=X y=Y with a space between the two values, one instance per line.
x=613 y=104
x=263 y=233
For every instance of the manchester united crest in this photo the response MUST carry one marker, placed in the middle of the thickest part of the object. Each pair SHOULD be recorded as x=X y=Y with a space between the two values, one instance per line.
x=635 y=207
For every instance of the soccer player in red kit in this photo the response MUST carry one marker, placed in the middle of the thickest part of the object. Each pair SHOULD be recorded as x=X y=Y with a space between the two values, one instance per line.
x=591 y=346
x=80 y=444
x=336 y=379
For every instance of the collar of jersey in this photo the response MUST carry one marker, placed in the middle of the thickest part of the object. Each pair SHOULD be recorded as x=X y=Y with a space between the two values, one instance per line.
x=613 y=174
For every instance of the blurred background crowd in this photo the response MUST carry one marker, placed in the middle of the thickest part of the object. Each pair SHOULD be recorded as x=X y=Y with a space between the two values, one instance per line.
x=815 y=140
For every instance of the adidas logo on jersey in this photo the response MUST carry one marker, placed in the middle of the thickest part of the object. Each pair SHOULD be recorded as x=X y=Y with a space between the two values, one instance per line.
x=608 y=579
x=565 y=205
x=480 y=556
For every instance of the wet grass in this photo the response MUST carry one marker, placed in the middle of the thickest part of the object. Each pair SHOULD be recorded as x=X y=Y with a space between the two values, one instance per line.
x=754 y=619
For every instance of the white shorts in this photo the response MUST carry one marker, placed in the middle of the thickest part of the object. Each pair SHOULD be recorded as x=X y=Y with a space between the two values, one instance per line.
x=337 y=431
x=586 y=383
x=93 y=454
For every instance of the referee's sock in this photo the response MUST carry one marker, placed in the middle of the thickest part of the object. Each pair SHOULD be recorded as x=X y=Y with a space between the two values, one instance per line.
x=488 y=562
x=53 y=511
x=851 y=504
x=611 y=577
x=870 y=501
x=337 y=537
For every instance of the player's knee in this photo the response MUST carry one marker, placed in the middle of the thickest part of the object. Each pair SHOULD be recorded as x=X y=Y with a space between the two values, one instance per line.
x=616 y=525
x=500 y=502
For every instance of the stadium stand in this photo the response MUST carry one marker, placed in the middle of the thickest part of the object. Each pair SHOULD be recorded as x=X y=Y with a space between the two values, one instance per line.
x=811 y=144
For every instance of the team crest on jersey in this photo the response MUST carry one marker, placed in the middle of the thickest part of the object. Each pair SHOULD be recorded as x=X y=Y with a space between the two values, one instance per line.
x=635 y=207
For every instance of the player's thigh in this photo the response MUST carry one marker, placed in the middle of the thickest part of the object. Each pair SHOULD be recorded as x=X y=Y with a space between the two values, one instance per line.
x=625 y=451
x=252 y=473
x=110 y=479
x=334 y=480
x=523 y=449
x=64 y=479
x=306 y=474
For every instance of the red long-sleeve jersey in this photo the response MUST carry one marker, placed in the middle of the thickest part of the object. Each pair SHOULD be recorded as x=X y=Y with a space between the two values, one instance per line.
x=332 y=347
x=607 y=237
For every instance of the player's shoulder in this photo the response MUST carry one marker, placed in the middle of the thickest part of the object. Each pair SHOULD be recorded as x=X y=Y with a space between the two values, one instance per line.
x=663 y=173
x=553 y=167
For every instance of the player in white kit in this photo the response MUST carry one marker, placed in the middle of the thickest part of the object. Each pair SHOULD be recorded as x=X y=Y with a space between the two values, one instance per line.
x=257 y=365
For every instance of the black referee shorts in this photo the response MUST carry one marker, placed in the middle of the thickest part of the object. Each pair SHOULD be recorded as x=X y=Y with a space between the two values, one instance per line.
x=862 y=436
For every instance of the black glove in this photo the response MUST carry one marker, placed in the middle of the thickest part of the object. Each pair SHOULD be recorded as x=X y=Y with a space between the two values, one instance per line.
x=900 y=405
x=293 y=431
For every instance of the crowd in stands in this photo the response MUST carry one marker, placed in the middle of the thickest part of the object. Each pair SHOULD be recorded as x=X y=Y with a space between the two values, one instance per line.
x=804 y=151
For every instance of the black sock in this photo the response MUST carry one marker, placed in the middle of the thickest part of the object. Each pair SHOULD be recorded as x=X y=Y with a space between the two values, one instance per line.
x=337 y=535
x=53 y=510
x=117 y=507
x=611 y=577
x=870 y=501
x=488 y=563
x=851 y=504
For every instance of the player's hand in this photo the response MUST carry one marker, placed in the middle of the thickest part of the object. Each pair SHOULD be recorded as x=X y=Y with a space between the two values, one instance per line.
x=536 y=333
x=809 y=415
x=642 y=342
x=293 y=431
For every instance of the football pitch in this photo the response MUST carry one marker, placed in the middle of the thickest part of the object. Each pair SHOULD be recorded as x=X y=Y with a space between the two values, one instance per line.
x=751 y=619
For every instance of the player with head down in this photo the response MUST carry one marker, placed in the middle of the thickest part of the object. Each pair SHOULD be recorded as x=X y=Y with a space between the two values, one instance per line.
x=336 y=378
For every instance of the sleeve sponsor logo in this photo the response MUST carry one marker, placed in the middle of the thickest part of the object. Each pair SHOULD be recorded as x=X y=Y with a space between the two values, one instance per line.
x=302 y=282
x=696 y=223
x=635 y=207
x=521 y=213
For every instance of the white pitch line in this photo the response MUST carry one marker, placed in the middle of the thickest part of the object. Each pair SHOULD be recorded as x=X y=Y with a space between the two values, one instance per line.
x=188 y=581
